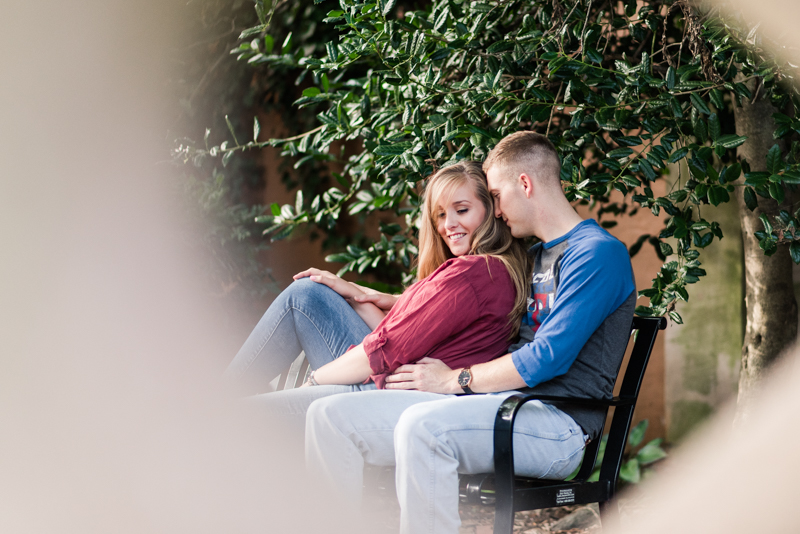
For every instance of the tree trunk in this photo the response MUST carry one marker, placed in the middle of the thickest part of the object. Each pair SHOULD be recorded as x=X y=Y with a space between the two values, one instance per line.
x=771 y=318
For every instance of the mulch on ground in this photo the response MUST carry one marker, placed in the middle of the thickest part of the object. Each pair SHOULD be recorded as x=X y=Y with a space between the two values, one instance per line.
x=479 y=519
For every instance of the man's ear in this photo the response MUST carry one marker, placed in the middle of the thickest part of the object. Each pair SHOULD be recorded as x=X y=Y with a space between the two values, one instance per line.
x=526 y=183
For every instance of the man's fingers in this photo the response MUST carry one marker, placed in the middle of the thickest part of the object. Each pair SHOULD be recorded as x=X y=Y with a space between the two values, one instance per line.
x=400 y=377
x=407 y=368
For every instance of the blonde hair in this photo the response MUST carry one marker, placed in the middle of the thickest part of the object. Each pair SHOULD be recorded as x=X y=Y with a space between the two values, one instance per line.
x=527 y=152
x=491 y=238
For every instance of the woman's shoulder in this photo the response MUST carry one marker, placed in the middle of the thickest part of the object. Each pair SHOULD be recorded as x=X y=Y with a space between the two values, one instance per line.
x=475 y=265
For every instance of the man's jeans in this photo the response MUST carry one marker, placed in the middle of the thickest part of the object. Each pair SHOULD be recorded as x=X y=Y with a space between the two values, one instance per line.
x=431 y=438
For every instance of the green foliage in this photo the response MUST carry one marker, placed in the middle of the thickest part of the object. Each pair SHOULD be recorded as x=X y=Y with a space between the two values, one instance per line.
x=228 y=239
x=622 y=93
x=634 y=466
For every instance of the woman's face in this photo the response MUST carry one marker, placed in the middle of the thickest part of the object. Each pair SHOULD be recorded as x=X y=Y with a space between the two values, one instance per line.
x=458 y=220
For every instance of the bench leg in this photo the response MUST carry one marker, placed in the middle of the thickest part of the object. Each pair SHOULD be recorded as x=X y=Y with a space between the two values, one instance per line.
x=504 y=517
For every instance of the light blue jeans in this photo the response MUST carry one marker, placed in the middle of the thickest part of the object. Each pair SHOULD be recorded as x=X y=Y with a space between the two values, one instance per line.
x=308 y=317
x=430 y=438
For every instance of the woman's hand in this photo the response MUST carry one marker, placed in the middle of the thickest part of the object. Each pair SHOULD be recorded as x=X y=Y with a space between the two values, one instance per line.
x=342 y=287
x=383 y=301
x=428 y=374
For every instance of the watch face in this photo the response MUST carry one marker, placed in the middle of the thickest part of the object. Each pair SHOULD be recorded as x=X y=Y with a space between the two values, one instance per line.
x=463 y=378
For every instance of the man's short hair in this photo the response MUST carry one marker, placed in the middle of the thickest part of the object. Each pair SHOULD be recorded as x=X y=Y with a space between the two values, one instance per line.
x=527 y=152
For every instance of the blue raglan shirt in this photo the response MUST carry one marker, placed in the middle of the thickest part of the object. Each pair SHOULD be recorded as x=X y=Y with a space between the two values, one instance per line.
x=579 y=280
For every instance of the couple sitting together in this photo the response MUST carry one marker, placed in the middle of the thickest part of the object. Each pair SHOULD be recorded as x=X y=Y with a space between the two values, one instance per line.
x=415 y=381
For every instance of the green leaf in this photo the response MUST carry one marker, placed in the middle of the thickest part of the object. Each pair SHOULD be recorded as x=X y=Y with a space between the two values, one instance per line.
x=227 y=157
x=670 y=78
x=230 y=127
x=750 y=198
x=339 y=258
x=714 y=128
x=619 y=153
x=630 y=471
x=765 y=221
x=700 y=131
x=702 y=240
x=679 y=154
x=717 y=195
x=388 y=5
x=774 y=160
x=775 y=191
x=311 y=92
x=287 y=44
x=699 y=105
x=594 y=56
x=791 y=177
x=652 y=452
x=716 y=98
x=731 y=141
x=441 y=20
x=794 y=250
x=637 y=433
x=275 y=209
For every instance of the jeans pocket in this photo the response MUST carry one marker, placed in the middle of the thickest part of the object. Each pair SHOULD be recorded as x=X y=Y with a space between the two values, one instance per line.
x=561 y=468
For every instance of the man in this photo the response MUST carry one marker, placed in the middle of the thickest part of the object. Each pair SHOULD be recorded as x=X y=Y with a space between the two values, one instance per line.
x=572 y=342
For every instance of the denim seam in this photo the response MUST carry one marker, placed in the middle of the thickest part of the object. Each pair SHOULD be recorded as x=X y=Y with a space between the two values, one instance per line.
x=263 y=343
x=324 y=339
x=527 y=432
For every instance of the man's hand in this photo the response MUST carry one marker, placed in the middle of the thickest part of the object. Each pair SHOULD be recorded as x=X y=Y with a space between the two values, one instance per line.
x=342 y=287
x=428 y=374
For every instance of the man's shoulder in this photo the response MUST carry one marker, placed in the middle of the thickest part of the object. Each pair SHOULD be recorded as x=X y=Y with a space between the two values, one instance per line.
x=590 y=241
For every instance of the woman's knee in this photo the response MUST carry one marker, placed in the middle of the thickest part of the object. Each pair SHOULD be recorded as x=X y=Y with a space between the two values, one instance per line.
x=307 y=294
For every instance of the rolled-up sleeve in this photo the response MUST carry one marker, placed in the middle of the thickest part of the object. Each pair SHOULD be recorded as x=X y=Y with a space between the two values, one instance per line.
x=427 y=315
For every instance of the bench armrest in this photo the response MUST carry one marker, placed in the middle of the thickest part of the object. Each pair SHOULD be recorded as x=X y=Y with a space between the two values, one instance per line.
x=526 y=395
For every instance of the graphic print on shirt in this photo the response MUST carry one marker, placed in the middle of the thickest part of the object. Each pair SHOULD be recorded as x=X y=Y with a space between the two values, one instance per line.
x=543 y=291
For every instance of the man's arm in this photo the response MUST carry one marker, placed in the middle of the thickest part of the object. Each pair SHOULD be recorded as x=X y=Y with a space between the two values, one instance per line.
x=435 y=376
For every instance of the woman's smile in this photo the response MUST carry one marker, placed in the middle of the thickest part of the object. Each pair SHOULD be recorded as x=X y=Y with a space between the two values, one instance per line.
x=458 y=218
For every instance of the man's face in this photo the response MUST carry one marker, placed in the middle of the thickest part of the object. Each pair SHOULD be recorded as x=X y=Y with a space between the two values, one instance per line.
x=509 y=200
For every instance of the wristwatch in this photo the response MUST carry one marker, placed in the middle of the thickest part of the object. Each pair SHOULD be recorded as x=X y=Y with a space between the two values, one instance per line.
x=464 y=380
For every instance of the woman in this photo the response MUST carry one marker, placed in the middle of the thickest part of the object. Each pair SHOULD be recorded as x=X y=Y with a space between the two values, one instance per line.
x=465 y=308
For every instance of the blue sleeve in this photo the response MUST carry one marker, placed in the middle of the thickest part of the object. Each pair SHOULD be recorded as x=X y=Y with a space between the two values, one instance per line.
x=595 y=279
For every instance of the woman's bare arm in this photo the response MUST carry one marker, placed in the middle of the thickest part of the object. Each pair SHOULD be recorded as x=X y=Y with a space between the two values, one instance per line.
x=352 y=367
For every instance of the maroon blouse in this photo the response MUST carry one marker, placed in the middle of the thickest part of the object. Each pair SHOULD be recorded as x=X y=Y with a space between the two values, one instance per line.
x=458 y=314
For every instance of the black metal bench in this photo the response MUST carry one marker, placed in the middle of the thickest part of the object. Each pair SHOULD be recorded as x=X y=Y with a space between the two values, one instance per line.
x=509 y=493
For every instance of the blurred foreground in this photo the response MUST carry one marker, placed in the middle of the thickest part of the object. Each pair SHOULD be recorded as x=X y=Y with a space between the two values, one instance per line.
x=111 y=415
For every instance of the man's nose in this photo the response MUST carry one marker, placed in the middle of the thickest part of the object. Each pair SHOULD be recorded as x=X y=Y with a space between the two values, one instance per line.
x=497 y=212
